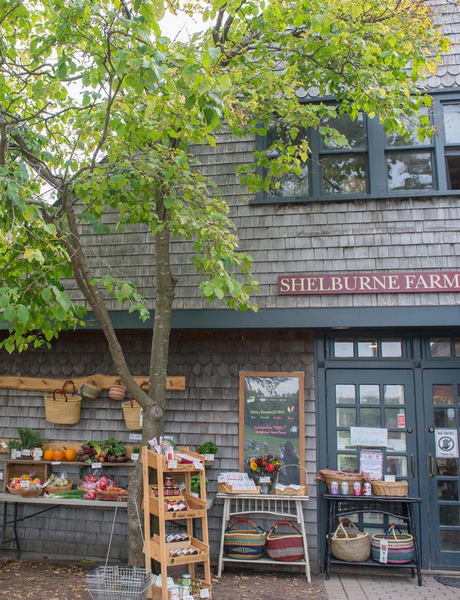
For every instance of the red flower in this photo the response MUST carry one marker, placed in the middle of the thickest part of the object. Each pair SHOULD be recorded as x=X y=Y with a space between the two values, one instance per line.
x=270 y=467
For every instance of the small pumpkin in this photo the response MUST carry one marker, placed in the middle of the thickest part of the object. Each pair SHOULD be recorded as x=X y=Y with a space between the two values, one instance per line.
x=48 y=455
x=58 y=455
x=70 y=454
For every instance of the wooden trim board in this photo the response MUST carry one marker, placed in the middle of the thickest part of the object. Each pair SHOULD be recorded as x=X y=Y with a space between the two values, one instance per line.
x=44 y=384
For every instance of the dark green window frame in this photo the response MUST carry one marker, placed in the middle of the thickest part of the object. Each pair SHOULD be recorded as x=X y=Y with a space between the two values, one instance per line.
x=376 y=162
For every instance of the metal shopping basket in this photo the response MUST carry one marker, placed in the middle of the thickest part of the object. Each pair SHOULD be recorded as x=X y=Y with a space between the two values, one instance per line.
x=118 y=583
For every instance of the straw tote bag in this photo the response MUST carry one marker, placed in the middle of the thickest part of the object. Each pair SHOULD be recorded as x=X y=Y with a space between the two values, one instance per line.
x=350 y=545
x=285 y=546
x=63 y=408
x=132 y=411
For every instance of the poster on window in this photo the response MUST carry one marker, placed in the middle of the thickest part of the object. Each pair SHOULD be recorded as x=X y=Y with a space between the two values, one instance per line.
x=272 y=426
x=446 y=443
x=372 y=463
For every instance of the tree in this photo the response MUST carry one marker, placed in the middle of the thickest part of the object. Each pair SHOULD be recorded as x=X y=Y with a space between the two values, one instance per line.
x=99 y=112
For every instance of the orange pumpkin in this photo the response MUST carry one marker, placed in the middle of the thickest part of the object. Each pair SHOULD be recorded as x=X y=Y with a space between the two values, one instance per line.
x=70 y=454
x=48 y=455
x=58 y=455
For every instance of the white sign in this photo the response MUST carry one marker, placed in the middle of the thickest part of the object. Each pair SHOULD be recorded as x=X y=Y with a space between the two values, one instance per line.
x=372 y=463
x=204 y=593
x=141 y=418
x=135 y=436
x=198 y=465
x=172 y=464
x=4 y=445
x=368 y=436
x=446 y=443
x=96 y=466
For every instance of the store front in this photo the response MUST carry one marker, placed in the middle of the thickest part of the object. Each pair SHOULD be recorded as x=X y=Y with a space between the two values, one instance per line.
x=409 y=385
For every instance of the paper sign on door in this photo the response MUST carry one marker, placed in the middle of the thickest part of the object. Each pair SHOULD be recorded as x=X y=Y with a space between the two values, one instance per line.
x=446 y=443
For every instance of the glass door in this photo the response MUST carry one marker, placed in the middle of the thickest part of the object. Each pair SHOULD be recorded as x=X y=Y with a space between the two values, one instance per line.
x=442 y=390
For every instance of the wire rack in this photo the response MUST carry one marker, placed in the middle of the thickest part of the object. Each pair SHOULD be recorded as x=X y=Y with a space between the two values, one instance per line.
x=118 y=583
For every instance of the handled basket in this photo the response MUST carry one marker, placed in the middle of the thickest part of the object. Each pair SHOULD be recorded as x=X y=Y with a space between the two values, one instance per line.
x=54 y=489
x=62 y=408
x=243 y=543
x=352 y=546
x=132 y=411
x=303 y=489
x=90 y=389
x=400 y=546
x=285 y=547
x=117 y=391
x=352 y=478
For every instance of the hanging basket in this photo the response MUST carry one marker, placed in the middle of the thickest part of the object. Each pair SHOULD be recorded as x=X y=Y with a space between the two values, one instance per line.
x=63 y=408
x=285 y=547
x=400 y=546
x=132 y=414
x=90 y=389
x=348 y=545
x=117 y=391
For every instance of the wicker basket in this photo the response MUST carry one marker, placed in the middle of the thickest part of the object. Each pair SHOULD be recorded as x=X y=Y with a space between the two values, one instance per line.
x=352 y=478
x=285 y=547
x=31 y=493
x=90 y=389
x=400 y=546
x=303 y=489
x=390 y=488
x=117 y=391
x=132 y=414
x=64 y=488
x=112 y=496
x=242 y=544
x=63 y=408
x=14 y=491
x=351 y=546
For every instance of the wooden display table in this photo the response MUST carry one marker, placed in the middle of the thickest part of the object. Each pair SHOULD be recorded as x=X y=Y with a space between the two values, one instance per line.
x=397 y=507
x=281 y=507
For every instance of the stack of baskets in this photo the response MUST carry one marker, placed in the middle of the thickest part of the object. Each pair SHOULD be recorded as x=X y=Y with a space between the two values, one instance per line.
x=349 y=543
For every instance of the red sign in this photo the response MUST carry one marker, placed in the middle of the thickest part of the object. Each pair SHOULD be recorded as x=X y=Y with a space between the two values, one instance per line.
x=370 y=283
x=401 y=420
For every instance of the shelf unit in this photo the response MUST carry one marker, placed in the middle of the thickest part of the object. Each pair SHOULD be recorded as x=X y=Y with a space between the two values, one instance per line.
x=280 y=507
x=156 y=547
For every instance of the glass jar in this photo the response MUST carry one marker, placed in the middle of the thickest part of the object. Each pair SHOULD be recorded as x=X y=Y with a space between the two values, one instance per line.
x=154 y=490
x=176 y=490
x=186 y=580
x=169 y=482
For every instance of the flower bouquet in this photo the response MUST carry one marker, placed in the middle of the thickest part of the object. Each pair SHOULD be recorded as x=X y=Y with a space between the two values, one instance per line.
x=264 y=466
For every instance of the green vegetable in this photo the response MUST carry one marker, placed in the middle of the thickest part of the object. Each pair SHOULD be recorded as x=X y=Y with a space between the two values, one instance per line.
x=70 y=495
x=114 y=447
x=207 y=448
x=195 y=483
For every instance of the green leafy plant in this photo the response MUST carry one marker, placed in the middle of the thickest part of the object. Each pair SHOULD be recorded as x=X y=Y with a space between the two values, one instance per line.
x=136 y=450
x=195 y=484
x=29 y=438
x=207 y=448
x=14 y=445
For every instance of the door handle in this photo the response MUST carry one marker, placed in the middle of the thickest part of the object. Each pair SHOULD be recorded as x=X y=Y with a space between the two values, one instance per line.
x=412 y=462
x=431 y=466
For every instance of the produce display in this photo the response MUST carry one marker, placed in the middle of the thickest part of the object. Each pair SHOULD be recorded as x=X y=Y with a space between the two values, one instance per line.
x=25 y=482
x=102 y=488
x=58 y=481
x=107 y=451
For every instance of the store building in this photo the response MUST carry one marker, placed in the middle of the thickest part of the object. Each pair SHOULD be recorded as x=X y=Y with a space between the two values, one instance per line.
x=359 y=266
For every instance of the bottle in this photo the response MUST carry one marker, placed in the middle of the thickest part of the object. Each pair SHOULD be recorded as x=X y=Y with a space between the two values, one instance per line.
x=367 y=489
x=334 y=488
x=357 y=488
x=344 y=488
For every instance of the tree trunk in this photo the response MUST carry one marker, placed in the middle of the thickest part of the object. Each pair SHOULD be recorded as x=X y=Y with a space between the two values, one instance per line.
x=152 y=425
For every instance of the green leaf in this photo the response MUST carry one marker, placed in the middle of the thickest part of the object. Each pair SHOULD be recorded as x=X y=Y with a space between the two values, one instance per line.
x=23 y=314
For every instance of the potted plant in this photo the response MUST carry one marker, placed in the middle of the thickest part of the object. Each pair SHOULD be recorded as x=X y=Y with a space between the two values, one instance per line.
x=135 y=453
x=30 y=440
x=195 y=485
x=209 y=449
x=14 y=448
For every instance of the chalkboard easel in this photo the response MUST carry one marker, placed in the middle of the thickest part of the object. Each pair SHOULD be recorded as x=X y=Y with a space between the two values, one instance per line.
x=272 y=421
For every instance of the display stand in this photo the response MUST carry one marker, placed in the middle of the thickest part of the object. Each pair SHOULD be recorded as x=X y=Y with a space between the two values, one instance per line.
x=281 y=507
x=397 y=507
x=156 y=547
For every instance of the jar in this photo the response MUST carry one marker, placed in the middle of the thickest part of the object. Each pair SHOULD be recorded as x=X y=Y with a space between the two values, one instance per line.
x=154 y=489
x=176 y=490
x=169 y=482
x=186 y=580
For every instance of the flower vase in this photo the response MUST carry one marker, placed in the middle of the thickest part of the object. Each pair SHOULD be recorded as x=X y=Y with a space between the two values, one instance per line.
x=265 y=487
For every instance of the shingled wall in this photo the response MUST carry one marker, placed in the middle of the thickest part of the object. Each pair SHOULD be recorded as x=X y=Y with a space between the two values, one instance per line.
x=208 y=409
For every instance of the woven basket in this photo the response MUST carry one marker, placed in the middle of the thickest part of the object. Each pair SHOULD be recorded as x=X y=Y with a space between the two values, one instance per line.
x=132 y=414
x=31 y=493
x=302 y=491
x=90 y=389
x=112 y=496
x=352 y=478
x=52 y=489
x=117 y=391
x=285 y=547
x=14 y=491
x=351 y=546
x=62 y=408
x=400 y=546
x=390 y=488
x=243 y=543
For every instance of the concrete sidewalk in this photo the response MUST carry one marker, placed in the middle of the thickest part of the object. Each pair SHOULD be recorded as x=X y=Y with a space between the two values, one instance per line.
x=383 y=587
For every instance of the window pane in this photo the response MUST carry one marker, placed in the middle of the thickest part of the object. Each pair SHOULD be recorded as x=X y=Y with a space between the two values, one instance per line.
x=370 y=417
x=444 y=417
x=449 y=515
x=391 y=348
x=457 y=346
x=367 y=348
x=345 y=394
x=450 y=541
x=451 y=113
x=393 y=394
x=447 y=467
x=440 y=347
x=369 y=394
x=391 y=416
x=291 y=185
x=346 y=417
x=409 y=171
x=412 y=139
x=352 y=130
x=343 y=441
x=443 y=394
x=343 y=348
x=453 y=171
x=397 y=466
x=448 y=490
x=397 y=441
x=344 y=174
x=347 y=463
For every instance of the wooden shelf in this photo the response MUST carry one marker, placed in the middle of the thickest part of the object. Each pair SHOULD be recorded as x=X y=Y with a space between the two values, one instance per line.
x=64 y=462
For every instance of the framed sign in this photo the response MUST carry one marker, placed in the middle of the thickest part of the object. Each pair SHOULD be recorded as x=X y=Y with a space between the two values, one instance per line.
x=272 y=421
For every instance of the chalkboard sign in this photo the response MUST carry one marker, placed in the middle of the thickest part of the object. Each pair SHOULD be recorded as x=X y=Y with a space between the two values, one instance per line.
x=272 y=421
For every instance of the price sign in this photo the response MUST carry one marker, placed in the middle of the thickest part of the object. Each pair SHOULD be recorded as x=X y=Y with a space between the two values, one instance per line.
x=4 y=445
x=198 y=465
x=280 y=487
x=56 y=462
x=172 y=464
x=25 y=483
x=16 y=454
x=136 y=437
x=204 y=593
x=265 y=480
x=401 y=420
x=96 y=466
x=209 y=457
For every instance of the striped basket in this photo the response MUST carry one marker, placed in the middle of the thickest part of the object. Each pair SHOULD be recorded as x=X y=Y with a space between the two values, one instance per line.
x=400 y=546
x=242 y=544
x=285 y=547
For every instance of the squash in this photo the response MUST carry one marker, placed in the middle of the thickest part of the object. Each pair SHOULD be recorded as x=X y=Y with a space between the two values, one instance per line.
x=48 y=455
x=58 y=455
x=70 y=454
